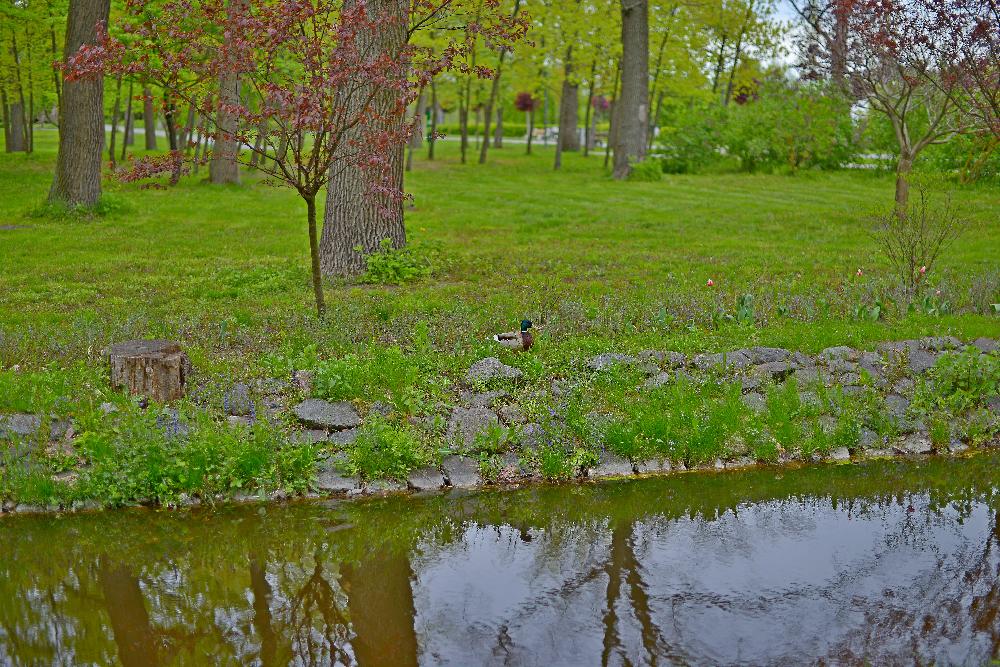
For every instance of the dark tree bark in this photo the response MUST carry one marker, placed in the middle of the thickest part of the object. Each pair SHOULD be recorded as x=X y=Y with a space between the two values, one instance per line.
x=719 y=63
x=5 y=112
x=498 y=131
x=129 y=122
x=77 y=179
x=531 y=131
x=434 y=121
x=612 y=122
x=21 y=116
x=356 y=222
x=188 y=131
x=115 y=113
x=149 y=119
x=418 y=129
x=17 y=140
x=223 y=167
x=569 y=103
x=588 y=136
x=632 y=109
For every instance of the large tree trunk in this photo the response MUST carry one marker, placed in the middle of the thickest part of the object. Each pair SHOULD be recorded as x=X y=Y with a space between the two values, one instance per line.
x=148 y=119
x=17 y=141
x=356 y=222
x=569 y=103
x=632 y=110
x=224 y=168
x=77 y=180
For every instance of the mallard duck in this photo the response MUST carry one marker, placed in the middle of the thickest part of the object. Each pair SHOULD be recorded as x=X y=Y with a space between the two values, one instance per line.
x=517 y=340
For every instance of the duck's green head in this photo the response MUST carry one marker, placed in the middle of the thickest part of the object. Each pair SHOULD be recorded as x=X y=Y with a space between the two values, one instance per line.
x=525 y=325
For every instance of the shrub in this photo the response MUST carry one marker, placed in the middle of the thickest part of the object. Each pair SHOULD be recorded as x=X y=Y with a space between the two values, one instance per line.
x=957 y=382
x=396 y=266
x=647 y=171
x=913 y=240
x=387 y=450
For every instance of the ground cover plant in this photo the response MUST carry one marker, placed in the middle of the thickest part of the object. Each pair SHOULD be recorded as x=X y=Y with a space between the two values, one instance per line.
x=599 y=266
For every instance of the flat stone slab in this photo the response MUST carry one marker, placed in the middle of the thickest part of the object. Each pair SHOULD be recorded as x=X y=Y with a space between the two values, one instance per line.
x=603 y=362
x=778 y=370
x=737 y=359
x=466 y=423
x=611 y=465
x=755 y=402
x=427 y=478
x=323 y=414
x=840 y=454
x=331 y=480
x=489 y=369
x=19 y=426
x=345 y=437
x=237 y=400
x=461 y=472
x=653 y=466
x=915 y=443
x=986 y=345
x=768 y=355
x=378 y=486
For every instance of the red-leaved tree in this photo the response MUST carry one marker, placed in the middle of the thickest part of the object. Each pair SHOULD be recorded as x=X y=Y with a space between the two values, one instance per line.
x=329 y=99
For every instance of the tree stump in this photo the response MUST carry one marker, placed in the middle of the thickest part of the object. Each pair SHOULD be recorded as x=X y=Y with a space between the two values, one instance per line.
x=156 y=369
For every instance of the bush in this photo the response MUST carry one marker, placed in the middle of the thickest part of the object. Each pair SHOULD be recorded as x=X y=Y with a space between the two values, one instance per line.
x=958 y=381
x=646 y=171
x=386 y=450
x=395 y=266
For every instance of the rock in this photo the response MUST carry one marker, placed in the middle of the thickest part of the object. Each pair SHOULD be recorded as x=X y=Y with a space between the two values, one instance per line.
x=532 y=436
x=897 y=406
x=491 y=368
x=768 y=355
x=652 y=466
x=902 y=386
x=466 y=423
x=664 y=378
x=668 y=359
x=915 y=443
x=611 y=465
x=345 y=437
x=838 y=353
x=920 y=361
x=986 y=345
x=511 y=469
x=156 y=369
x=852 y=389
x=956 y=446
x=512 y=415
x=381 y=486
x=237 y=400
x=329 y=479
x=486 y=399
x=310 y=436
x=603 y=362
x=735 y=360
x=428 y=478
x=840 y=454
x=461 y=472
x=19 y=426
x=993 y=404
x=828 y=423
x=61 y=429
x=778 y=370
x=380 y=408
x=801 y=360
x=234 y=421
x=869 y=438
x=940 y=343
x=755 y=402
x=871 y=363
x=740 y=462
x=750 y=383
x=303 y=381
x=323 y=414
x=900 y=348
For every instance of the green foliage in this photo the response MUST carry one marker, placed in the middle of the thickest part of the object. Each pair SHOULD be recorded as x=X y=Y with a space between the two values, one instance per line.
x=396 y=266
x=647 y=171
x=109 y=206
x=387 y=450
x=384 y=374
x=140 y=456
x=957 y=382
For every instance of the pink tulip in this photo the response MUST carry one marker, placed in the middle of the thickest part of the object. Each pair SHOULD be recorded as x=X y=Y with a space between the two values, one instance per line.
x=710 y=283
x=923 y=270
x=860 y=273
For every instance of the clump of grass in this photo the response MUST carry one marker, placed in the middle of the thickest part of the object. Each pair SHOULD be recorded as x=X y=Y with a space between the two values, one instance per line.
x=387 y=450
x=109 y=205
x=384 y=374
x=396 y=266
x=958 y=381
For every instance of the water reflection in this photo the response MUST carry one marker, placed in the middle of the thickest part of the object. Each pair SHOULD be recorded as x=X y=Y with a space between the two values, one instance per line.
x=887 y=563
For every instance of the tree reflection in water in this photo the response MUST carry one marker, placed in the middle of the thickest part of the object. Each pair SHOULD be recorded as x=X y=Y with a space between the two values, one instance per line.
x=764 y=566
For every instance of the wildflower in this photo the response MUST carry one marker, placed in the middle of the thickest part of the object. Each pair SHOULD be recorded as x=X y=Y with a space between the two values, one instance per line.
x=923 y=270
x=860 y=273
x=710 y=283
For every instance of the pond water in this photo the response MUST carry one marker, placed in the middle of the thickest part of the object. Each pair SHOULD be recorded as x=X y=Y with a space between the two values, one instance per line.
x=885 y=562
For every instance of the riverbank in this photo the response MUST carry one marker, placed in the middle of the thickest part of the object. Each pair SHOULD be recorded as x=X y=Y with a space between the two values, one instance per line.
x=614 y=415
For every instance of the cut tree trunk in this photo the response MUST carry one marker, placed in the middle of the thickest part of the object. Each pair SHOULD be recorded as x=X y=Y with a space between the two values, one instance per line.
x=632 y=110
x=156 y=369
x=357 y=221
x=77 y=179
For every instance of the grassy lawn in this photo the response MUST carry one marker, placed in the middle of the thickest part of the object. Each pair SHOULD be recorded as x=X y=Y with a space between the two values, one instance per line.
x=600 y=265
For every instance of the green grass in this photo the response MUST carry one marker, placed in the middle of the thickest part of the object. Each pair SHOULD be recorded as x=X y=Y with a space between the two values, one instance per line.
x=601 y=265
